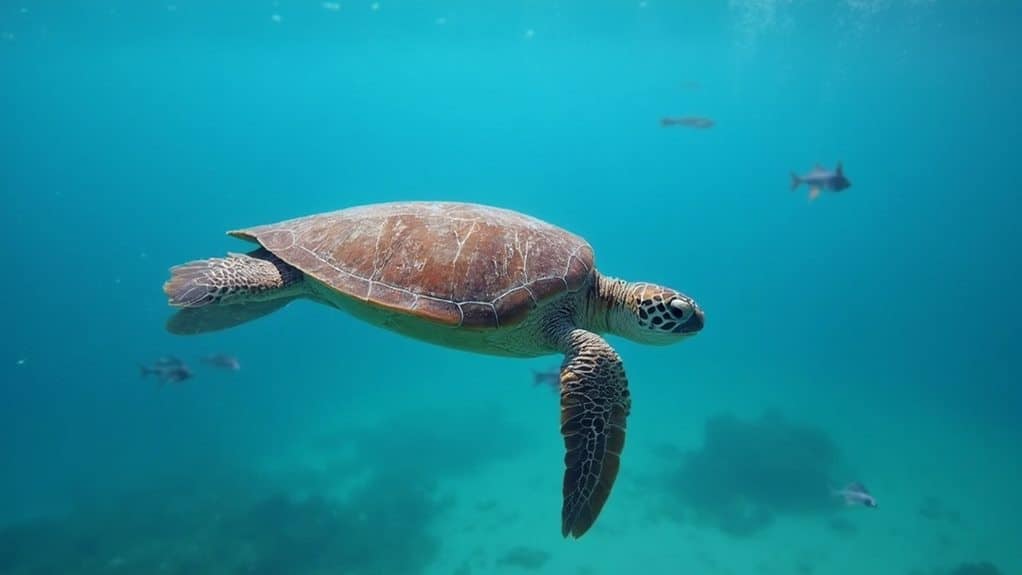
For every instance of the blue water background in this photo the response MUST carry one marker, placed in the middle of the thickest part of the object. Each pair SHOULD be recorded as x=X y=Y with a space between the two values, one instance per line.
x=134 y=134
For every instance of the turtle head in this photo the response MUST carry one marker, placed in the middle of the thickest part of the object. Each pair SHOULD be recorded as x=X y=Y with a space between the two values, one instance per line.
x=653 y=314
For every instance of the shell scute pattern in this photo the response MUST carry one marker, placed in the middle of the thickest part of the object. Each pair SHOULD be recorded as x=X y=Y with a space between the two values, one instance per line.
x=456 y=264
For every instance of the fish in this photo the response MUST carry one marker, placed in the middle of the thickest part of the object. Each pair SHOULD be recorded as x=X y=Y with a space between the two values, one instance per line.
x=819 y=179
x=168 y=360
x=696 y=122
x=167 y=369
x=550 y=377
x=222 y=360
x=856 y=493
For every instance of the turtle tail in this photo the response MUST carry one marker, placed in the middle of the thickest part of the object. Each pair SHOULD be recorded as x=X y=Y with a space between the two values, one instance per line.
x=219 y=293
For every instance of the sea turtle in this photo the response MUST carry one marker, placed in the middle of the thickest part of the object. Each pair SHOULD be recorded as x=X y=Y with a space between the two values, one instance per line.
x=466 y=276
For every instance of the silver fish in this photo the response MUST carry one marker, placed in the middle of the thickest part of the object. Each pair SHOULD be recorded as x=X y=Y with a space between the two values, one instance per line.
x=819 y=179
x=856 y=493
x=168 y=361
x=222 y=360
x=697 y=122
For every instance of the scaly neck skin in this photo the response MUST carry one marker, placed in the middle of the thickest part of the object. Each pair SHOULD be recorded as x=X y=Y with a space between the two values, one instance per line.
x=610 y=304
x=597 y=310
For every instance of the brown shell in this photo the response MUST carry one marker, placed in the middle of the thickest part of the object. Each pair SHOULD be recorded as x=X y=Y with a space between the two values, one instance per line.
x=453 y=263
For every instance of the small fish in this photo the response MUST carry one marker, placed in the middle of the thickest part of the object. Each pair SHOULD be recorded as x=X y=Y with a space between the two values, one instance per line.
x=550 y=377
x=856 y=493
x=167 y=369
x=819 y=179
x=169 y=361
x=222 y=360
x=696 y=122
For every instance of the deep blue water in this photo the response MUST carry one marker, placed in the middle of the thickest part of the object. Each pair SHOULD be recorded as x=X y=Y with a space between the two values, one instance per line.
x=870 y=335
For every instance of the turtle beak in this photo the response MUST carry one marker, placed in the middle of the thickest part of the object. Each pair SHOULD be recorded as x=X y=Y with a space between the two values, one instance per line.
x=694 y=323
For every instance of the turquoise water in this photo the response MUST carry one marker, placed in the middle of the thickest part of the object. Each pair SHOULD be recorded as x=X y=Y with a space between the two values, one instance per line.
x=867 y=336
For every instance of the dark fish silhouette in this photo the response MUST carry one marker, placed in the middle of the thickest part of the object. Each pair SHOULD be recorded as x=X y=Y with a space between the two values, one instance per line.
x=819 y=179
x=550 y=378
x=696 y=122
x=856 y=493
x=222 y=360
x=167 y=369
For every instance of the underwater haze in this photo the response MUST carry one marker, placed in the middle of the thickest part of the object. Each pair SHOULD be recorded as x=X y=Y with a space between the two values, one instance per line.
x=864 y=339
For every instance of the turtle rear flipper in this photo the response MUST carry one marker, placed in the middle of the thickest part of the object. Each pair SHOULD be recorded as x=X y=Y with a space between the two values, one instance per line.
x=218 y=293
x=594 y=406
x=257 y=275
x=196 y=320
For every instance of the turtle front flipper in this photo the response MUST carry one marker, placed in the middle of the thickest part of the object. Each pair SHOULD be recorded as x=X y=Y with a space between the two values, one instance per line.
x=594 y=406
